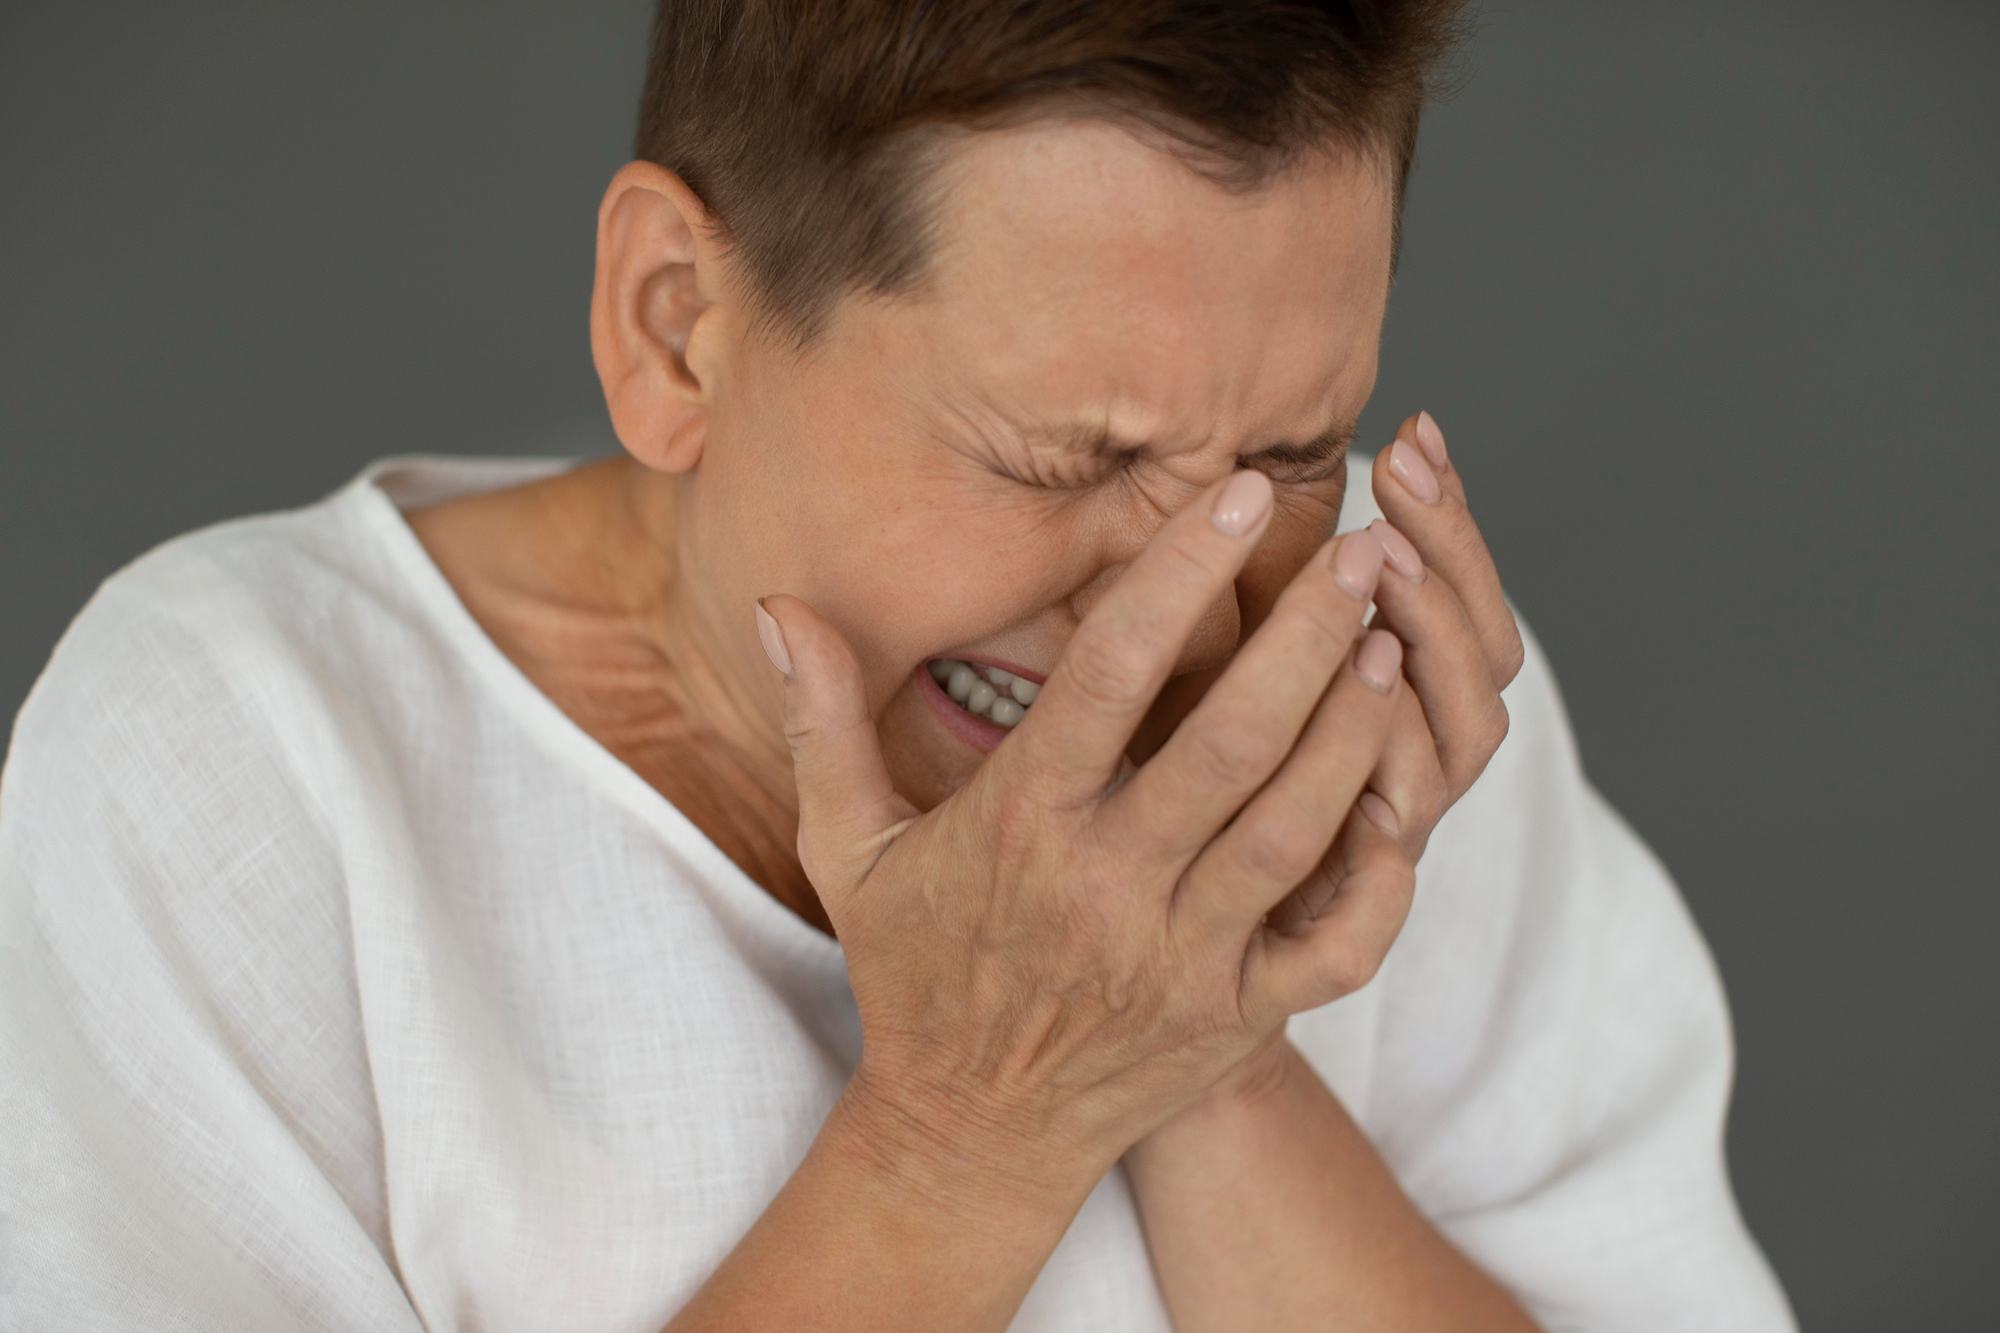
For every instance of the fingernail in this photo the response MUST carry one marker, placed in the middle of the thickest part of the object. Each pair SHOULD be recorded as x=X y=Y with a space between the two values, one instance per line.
x=1243 y=503
x=1381 y=814
x=1357 y=564
x=1397 y=551
x=773 y=640
x=1409 y=468
x=1378 y=660
x=1432 y=439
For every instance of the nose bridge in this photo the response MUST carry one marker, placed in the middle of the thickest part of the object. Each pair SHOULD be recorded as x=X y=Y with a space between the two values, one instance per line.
x=1151 y=494
x=1127 y=522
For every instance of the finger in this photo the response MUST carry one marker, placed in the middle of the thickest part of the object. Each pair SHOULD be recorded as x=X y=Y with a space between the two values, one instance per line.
x=1072 y=740
x=1335 y=943
x=1251 y=717
x=1444 y=660
x=1283 y=833
x=1408 y=778
x=848 y=807
x=1420 y=492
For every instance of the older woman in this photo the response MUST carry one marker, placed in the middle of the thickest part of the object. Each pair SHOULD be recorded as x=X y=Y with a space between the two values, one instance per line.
x=850 y=861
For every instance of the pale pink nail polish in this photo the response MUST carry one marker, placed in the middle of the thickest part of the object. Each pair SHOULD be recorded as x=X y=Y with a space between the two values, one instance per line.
x=1409 y=467
x=773 y=639
x=1397 y=551
x=1432 y=439
x=1378 y=659
x=1381 y=814
x=1357 y=564
x=1243 y=503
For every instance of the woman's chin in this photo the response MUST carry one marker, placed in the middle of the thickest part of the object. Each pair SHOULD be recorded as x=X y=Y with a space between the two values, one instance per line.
x=926 y=761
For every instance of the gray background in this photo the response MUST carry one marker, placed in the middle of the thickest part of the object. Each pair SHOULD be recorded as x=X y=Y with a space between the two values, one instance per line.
x=1704 y=294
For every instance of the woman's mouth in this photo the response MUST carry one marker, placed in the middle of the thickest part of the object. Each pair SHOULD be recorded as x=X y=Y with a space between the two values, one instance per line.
x=979 y=702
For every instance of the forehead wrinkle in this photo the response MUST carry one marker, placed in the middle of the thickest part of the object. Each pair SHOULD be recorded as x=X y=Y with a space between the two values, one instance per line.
x=1166 y=406
x=1226 y=354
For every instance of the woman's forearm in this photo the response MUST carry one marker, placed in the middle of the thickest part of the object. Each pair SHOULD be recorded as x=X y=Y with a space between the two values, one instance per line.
x=1266 y=1207
x=891 y=1225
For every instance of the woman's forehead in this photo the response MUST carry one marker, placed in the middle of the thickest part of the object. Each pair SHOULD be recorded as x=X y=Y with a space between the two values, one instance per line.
x=1079 y=269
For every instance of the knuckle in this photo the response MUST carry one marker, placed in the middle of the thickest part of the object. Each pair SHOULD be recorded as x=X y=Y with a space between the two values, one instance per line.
x=1462 y=536
x=1329 y=629
x=820 y=859
x=1400 y=883
x=1432 y=799
x=1345 y=968
x=1493 y=730
x=1283 y=854
x=1196 y=566
x=1227 y=755
x=801 y=733
x=818 y=732
x=1513 y=656
x=811 y=858
x=1108 y=673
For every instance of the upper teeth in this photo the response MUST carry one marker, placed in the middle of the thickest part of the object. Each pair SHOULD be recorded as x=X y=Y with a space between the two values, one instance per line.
x=999 y=696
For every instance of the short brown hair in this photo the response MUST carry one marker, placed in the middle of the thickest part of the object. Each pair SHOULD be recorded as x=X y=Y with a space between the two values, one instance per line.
x=796 y=121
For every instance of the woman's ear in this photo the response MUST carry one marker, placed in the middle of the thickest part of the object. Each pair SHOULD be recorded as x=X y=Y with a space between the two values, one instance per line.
x=653 y=333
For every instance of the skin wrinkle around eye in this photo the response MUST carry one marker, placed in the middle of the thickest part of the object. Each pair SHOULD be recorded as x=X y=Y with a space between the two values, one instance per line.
x=1076 y=454
x=1313 y=461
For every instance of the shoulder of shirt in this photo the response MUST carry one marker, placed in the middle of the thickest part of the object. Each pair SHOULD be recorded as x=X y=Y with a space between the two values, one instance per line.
x=291 y=570
x=326 y=595
x=263 y=565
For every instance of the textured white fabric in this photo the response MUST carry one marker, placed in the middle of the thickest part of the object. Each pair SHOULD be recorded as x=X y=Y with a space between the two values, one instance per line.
x=346 y=984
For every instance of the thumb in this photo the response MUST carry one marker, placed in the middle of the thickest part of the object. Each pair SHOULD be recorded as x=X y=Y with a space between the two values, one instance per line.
x=848 y=808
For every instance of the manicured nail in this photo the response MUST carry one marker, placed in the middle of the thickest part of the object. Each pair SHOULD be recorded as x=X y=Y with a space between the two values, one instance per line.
x=1432 y=439
x=1409 y=468
x=1243 y=503
x=1357 y=564
x=1378 y=659
x=1397 y=551
x=1381 y=814
x=773 y=640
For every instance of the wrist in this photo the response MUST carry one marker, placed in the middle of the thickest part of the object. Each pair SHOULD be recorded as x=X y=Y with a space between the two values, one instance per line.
x=957 y=1161
x=1256 y=1089
x=888 y=1223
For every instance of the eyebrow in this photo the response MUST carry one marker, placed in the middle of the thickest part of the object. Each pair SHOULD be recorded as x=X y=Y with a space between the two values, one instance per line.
x=1094 y=441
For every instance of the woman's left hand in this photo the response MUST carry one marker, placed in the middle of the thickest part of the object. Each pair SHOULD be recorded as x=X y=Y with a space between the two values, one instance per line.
x=1440 y=594
x=1321 y=1234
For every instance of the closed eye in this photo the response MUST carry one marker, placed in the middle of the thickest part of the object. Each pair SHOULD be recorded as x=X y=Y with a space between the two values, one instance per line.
x=1301 y=464
x=1073 y=471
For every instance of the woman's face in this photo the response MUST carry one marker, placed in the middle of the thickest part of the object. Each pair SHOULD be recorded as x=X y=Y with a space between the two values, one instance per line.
x=962 y=471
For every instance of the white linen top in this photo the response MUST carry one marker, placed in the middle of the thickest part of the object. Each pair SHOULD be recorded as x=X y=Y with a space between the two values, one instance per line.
x=345 y=983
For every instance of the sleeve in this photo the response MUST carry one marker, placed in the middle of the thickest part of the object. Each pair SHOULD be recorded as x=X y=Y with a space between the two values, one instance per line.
x=1554 y=1056
x=189 y=1138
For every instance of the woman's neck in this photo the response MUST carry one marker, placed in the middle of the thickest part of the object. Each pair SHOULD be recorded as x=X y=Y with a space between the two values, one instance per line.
x=575 y=579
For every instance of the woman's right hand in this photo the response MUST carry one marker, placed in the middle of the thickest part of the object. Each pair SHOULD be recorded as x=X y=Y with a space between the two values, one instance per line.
x=1053 y=961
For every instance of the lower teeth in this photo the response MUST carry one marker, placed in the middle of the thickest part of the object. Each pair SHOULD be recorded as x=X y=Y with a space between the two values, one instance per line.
x=1000 y=697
